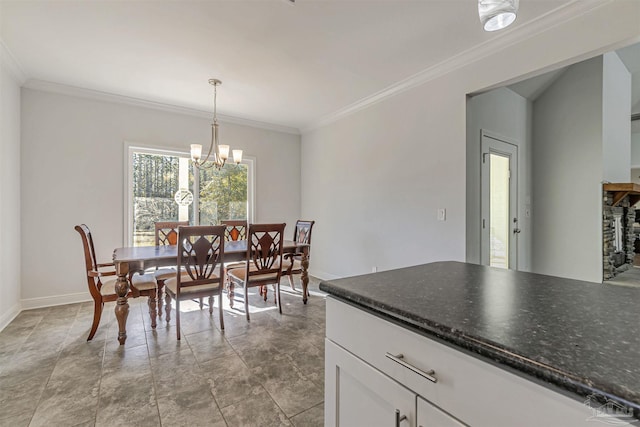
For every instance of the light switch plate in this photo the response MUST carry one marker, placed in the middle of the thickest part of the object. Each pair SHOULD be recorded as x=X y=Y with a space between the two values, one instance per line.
x=442 y=214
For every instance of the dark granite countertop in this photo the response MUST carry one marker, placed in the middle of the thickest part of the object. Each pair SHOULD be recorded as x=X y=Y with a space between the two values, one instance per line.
x=573 y=336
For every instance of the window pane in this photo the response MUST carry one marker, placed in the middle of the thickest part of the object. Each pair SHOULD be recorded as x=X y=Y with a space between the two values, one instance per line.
x=223 y=194
x=499 y=211
x=155 y=182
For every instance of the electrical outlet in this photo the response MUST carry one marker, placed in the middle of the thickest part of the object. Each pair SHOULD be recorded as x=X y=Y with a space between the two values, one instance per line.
x=374 y=269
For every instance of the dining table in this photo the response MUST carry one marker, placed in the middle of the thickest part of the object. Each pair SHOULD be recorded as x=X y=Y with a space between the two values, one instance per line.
x=136 y=259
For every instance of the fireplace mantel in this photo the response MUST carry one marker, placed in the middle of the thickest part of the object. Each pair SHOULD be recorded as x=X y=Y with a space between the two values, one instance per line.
x=621 y=190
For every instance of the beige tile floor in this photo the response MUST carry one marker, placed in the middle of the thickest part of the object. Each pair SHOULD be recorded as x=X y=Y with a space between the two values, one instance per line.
x=267 y=372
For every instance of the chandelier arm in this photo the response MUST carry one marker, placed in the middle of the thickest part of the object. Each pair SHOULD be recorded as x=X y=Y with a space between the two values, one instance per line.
x=214 y=132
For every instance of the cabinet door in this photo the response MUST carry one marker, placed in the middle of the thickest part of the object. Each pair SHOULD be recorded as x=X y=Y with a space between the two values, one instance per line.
x=356 y=394
x=430 y=415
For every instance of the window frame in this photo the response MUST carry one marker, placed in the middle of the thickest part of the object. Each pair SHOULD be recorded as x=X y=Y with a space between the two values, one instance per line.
x=131 y=147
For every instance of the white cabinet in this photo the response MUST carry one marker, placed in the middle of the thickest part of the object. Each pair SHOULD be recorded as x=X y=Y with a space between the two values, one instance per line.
x=374 y=368
x=430 y=415
x=363 y=395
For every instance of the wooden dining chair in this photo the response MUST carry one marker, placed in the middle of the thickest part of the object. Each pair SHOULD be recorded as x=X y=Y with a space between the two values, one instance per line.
x=199 y=273
x=236 y=229
x=292 y=263
x=103 y=290
x=166 y=234
x=263 y=262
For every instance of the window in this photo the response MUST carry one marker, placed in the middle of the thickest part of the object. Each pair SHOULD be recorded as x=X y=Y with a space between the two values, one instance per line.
x=162 y=185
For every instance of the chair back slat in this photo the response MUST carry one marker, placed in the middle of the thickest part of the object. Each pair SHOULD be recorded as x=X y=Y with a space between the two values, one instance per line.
x=91 y=265
x=302 y=232
x=264 y=254
x=235 y=229
x=200 y=250
x=87 y=244
x=167 y=232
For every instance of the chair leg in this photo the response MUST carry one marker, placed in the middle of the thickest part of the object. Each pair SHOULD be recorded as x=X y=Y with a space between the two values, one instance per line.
x=160 y=296
x=97 y=313
x=277 y=291
x=178 y=318
x=230 y=293
x=210 y=305
x=201 y=304
x=246 y=301
x=220 y=311
x=167 y=309
x=275 y=296
x=263 y=292
x=152 y=309
x=290 y=277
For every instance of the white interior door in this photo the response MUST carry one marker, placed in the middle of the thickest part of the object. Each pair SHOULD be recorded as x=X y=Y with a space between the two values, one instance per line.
x=499 y=199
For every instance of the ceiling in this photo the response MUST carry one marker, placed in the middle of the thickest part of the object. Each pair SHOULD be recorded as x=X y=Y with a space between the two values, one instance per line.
x=630 y=56
x=533 y=87
x=280 y=63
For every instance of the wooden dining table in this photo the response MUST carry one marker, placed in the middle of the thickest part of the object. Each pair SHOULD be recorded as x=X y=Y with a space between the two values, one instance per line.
x=134 y=259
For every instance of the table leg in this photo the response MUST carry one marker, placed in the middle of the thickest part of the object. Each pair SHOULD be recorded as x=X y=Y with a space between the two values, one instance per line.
x=230 y=293
x=304 y=274
x=122 y=306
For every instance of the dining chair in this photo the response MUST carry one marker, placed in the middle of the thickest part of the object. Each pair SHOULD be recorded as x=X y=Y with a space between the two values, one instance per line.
x=166 y=234
x=263 y=262
x=199 y=273
x=236 y=229
x=292 y=263
x=103 y=290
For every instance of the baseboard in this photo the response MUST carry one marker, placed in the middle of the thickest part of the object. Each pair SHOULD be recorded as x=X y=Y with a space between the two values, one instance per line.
x=31 y=303
x=7 y=317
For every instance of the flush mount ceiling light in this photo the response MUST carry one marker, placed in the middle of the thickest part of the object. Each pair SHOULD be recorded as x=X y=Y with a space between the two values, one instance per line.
x=218 y=153
x=497 y=14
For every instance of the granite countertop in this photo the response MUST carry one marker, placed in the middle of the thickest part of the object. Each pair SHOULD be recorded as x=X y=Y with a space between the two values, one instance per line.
x=577 y=336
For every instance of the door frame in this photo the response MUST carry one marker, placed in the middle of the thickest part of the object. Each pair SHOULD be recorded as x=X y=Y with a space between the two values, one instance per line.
x=491 y=142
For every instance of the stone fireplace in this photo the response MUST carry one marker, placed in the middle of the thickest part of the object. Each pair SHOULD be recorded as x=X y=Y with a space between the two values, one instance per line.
x=618 y=216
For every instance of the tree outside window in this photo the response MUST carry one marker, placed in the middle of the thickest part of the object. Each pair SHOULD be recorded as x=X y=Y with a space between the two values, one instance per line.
x=156 y=177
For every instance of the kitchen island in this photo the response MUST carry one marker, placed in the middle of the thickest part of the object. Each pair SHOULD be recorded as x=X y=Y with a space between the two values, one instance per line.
x=459 y=336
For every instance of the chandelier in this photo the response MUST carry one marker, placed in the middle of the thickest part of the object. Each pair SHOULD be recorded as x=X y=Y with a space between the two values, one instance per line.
x=497 y=14
x=218 y=153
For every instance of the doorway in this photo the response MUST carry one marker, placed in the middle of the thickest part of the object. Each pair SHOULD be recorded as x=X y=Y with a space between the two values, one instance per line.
x=499 y=202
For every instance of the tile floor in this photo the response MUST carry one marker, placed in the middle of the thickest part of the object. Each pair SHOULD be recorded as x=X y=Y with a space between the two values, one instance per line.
x=630 y=278
x=268 y=372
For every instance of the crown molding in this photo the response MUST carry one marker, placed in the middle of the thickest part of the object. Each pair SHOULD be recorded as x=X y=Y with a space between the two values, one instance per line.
x=138 y=102
x=507 y=38
x=10 y=63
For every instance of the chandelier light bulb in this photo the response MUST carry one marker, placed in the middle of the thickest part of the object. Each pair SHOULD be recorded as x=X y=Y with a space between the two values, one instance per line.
x=196 y=152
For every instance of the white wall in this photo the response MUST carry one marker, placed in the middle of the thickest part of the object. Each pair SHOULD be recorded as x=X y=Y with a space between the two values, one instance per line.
x=374 y=183
x=505 y=113
x=567 y=175
x=635 y=150
x=374 y=179
x=581 y=137
x=9 y=192
x=616 y=126
x=73 y=172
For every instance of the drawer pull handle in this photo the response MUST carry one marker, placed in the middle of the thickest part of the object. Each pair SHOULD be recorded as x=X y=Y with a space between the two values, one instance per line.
x=398 y=359
x=399 y=418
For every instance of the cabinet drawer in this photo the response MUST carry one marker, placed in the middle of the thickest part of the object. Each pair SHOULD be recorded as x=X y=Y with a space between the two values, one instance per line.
x=474 y=391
